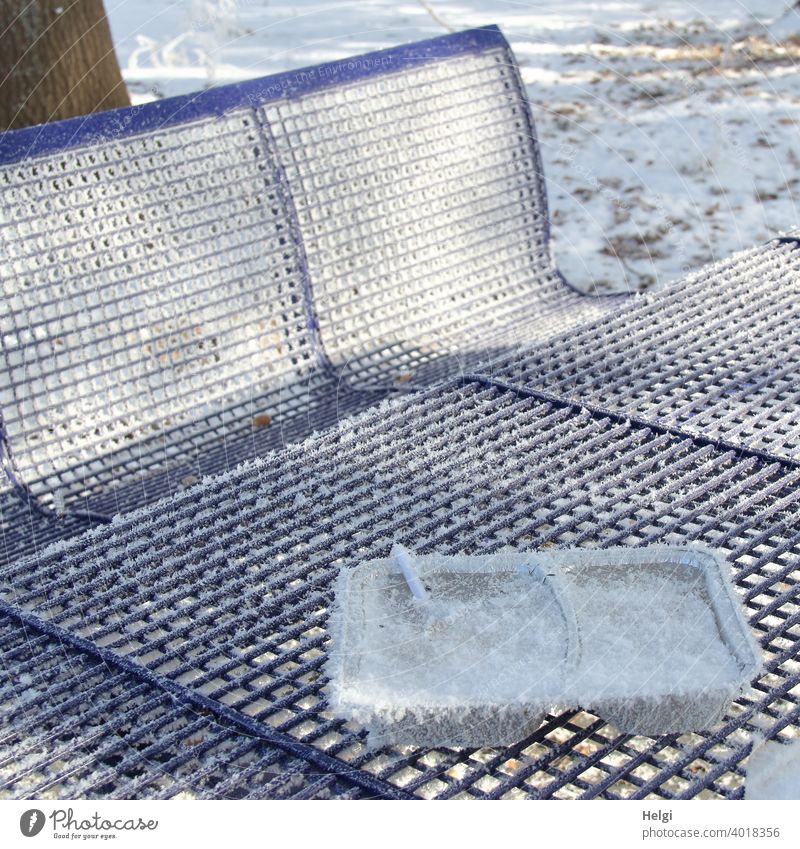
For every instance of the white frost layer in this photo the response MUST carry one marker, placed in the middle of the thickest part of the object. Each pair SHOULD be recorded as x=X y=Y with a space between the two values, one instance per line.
x=652 y=639
x=773 y=772
x=647 y=631
x=485 y=639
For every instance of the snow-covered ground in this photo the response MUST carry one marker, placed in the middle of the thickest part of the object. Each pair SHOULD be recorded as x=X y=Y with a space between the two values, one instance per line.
x=773 y=772
x=669 y=130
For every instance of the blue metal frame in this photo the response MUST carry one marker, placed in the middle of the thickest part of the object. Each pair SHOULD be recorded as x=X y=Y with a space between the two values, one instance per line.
x=128 y=121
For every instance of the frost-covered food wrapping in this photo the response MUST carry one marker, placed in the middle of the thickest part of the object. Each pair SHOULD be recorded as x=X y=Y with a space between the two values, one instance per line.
x=652 y=639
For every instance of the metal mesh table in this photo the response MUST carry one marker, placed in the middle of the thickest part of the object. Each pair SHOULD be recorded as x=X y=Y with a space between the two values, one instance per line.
x=217 y=597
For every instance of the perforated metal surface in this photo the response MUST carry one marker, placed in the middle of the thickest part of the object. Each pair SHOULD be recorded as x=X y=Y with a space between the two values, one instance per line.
x=200 y=281
x=223 y=591
x=204 y=616
x=717 y=360
x=252 y=601
x=423 y=192
x=147 y=283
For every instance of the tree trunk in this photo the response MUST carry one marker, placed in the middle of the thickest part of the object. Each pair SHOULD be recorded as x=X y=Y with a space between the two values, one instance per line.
x=57 y=60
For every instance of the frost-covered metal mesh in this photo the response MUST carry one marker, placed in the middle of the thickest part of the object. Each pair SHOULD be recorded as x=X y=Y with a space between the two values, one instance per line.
x=716 y=356
x=180 y=649
x=251 y=599
x=147 y=282
x=99 y=725
x=433 y=212
x=220 y=595
x=192 y=284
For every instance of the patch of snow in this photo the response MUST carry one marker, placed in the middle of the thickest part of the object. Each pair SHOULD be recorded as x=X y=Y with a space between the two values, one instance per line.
x=786 y=26
x=773 y=772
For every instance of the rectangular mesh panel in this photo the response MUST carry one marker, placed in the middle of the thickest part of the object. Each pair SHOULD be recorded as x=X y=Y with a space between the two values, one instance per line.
x=716 y=355
x=421 y=202
x=224 y=590
x=147 y=282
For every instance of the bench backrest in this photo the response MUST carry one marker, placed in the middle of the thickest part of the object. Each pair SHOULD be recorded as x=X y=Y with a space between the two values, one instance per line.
x=165 y=261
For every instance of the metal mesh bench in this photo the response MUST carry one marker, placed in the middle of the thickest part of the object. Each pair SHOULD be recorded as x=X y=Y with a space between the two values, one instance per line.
x=196 y=282
x=215 y=600
x=192 y=282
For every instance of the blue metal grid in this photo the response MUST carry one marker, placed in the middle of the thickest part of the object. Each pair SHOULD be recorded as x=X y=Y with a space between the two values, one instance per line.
x=198 y=280
x=219 y=595
x=179 y=648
